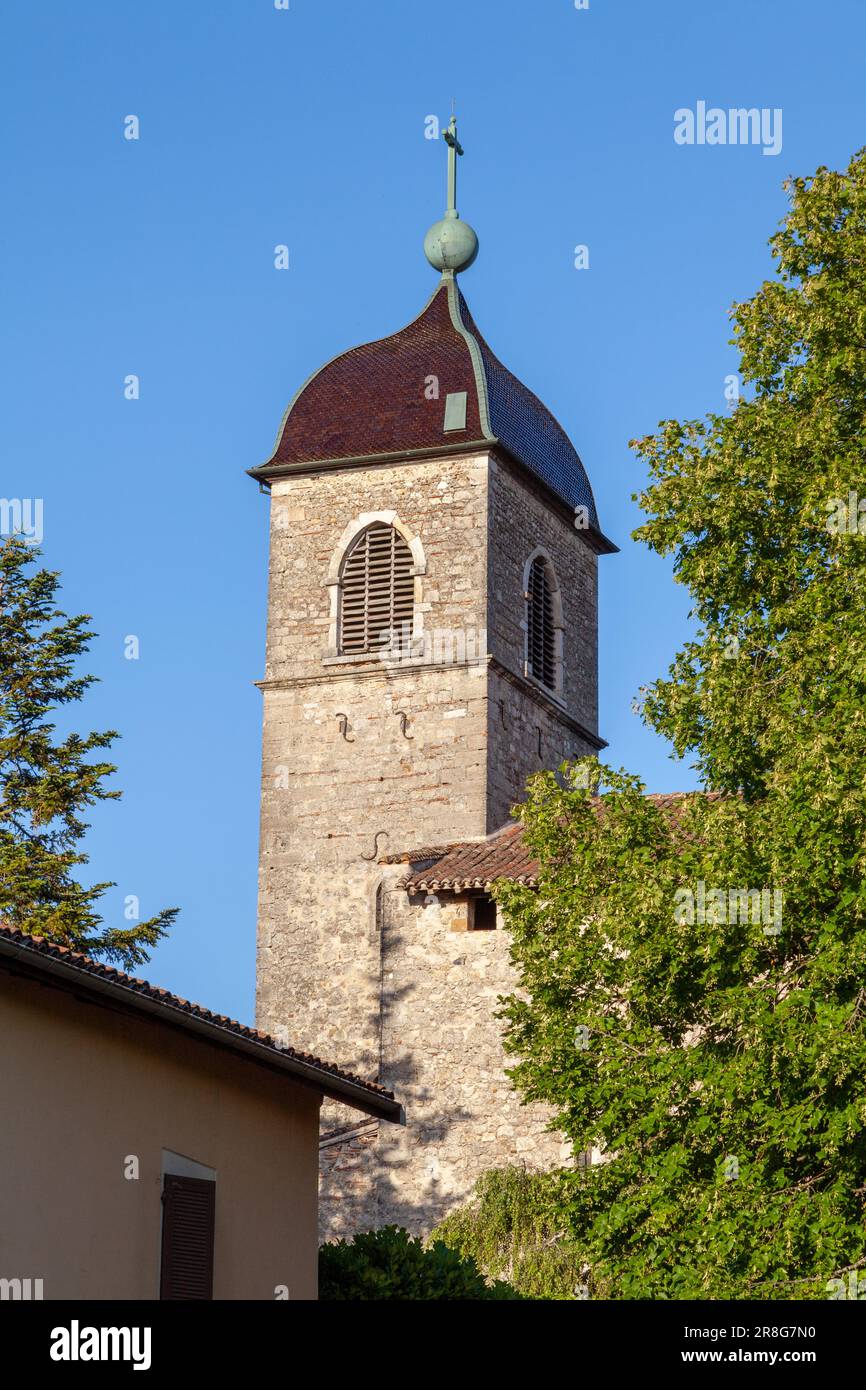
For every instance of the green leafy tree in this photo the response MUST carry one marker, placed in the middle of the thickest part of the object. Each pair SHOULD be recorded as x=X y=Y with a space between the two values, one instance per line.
x=391 y=1264
x=46 y=781
x=716 y=1058
x=512 y=1229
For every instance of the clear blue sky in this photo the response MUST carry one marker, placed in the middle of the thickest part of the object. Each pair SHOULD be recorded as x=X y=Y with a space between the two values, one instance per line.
x=306 y=127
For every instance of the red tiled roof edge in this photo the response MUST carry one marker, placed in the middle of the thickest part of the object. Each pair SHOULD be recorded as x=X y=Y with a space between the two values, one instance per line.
x=39 y=951
x=476 y=864
x=416 y=856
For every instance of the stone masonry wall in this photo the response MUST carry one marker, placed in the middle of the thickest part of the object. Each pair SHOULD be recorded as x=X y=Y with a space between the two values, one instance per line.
x=443 y=1056
x=529 y=729
x=363 y=758
x=524 y=735
x=338 y=793
x=347 y=1179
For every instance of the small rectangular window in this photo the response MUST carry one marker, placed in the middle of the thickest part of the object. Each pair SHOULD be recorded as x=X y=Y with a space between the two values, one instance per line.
x=482 y=914
x=188 y=1211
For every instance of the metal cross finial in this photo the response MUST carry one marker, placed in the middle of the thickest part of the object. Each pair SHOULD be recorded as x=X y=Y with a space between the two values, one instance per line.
x=451 y=244
x=454 y=149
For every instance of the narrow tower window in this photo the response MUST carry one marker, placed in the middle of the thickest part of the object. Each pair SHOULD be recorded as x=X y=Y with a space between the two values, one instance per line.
x=377 y=592
x=541 y=633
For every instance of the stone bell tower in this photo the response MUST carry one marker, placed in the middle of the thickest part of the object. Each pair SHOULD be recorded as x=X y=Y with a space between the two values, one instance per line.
x=431 y=642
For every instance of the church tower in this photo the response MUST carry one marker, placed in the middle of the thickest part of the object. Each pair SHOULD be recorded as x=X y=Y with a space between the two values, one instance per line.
x=431 y=642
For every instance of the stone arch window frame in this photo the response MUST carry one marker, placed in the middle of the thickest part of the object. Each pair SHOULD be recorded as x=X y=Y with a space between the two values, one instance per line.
x=333 y=581
x=557 y=692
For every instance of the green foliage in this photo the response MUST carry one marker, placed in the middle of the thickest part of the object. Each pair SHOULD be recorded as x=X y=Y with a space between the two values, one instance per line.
x=512 y=1230
x=46 y=781
x=391 y=1264
x=746 y=503
x=721 y=1067
x=676 y=1047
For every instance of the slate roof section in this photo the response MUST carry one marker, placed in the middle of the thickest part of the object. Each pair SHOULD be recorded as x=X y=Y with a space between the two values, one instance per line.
x=529 y=431
x=80 y=973
x=371 y=403
x=371 y=400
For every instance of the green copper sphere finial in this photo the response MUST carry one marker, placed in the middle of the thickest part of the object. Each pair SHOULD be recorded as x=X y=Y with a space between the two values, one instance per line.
x=450 y=244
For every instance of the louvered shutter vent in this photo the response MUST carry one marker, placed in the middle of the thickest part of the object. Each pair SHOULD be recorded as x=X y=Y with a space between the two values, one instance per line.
x=187 y=1238
x=542 y=637
x=377 y=591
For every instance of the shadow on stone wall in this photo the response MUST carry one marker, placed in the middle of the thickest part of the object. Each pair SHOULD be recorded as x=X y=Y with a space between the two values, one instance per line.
x=462 y=1116
x=381 y=1174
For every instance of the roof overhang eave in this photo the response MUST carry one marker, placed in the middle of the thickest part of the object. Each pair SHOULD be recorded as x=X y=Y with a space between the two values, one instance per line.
x=82 y=982
x=274 y=470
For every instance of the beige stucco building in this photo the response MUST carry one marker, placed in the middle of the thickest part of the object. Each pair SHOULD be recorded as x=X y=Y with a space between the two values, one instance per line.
x=149 y=1148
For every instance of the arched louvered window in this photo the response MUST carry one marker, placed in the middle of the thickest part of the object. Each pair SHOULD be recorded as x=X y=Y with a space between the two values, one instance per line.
x=541 y=633
x=377 y=591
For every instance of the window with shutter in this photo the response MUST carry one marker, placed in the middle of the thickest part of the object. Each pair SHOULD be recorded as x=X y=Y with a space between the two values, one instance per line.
x=541 y=633
x=377 y=591
x=188 y=1208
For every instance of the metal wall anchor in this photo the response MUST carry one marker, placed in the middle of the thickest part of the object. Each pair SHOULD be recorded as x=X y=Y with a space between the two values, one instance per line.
x=371 y=857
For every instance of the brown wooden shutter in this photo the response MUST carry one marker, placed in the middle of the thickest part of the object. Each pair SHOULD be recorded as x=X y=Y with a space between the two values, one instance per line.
x=377 y=591
x=188 y=1207
x=541 y=646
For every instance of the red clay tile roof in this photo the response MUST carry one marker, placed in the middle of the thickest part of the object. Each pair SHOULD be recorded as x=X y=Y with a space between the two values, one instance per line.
x=415 y=856
x=42 y=955
x=474 y=864
x=373 y=401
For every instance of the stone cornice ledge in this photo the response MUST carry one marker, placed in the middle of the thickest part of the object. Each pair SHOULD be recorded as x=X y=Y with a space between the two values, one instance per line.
x=272 y=472
x=412 y=667
x=375 y=669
